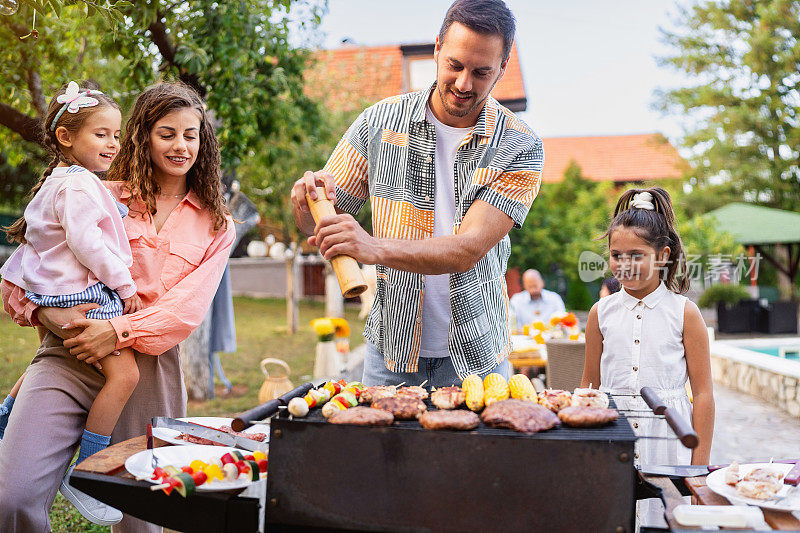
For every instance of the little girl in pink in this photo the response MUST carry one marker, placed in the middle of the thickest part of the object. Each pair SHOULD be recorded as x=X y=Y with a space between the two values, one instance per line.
x=74 y=250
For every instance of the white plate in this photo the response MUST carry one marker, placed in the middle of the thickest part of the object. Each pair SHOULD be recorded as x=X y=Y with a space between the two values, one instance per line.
x=140 y=464
x=170 y=435
x=716 y=482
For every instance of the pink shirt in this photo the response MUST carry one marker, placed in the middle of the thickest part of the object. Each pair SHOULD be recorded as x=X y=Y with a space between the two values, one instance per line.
x=75 y=238
x=176 y=271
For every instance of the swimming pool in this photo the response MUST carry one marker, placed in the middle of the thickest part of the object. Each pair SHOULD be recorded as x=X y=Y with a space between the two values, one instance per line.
x=767 y=367
x=788 y=349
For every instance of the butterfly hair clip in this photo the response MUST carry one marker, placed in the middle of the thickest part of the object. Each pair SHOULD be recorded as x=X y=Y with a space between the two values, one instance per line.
x=74 y=99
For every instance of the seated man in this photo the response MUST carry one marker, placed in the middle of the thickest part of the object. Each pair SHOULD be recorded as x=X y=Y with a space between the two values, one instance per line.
x=535 y=302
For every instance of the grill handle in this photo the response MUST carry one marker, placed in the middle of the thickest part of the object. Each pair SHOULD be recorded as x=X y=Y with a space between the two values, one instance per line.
x=266 y=410
x=653 y=401
x=682 y=429
x=297 y=392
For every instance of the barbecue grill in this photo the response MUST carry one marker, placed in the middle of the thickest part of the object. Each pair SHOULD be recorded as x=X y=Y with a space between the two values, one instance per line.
x=406 y=478
x=403 y=478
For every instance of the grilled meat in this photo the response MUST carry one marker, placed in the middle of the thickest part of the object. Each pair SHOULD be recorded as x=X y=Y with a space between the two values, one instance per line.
x=763 y=474
x=587 y=417
x=362 y=416
x=759 y=483
x=759 y=490
x=370 y=394
x=555 y=399
x=413 y=391
x=519 y=415
x=402 y=407
x=457 y=419
x=589 y=398
x=448 y=397
x=732 y=474
x=192 y=439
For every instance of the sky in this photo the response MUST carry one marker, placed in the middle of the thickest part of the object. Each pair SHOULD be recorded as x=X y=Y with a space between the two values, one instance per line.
x=589 y=66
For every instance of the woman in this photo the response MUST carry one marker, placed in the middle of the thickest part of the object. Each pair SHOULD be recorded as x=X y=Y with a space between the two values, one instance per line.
x=180 y=235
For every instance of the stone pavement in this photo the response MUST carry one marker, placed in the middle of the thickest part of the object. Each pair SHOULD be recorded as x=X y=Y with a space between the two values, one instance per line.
x=749 y=429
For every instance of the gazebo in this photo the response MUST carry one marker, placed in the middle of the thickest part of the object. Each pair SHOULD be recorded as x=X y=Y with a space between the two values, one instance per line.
x=758 y=227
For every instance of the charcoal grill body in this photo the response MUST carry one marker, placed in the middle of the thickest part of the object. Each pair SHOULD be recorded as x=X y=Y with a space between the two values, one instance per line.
x=405 y=478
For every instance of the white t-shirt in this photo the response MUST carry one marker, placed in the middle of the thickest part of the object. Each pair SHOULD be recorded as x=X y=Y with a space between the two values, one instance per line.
x=436 y=303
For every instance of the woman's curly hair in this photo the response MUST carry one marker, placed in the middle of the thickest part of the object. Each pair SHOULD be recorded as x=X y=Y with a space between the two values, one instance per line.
x=133 y=165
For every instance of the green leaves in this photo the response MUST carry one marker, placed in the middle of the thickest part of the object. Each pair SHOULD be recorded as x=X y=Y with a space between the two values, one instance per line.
x=238 y=55
x=743 y=109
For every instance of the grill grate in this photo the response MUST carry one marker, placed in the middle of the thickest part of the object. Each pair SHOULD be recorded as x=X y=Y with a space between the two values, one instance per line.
x=619 y=430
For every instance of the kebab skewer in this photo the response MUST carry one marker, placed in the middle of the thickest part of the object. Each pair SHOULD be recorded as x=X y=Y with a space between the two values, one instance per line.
x=230 y=467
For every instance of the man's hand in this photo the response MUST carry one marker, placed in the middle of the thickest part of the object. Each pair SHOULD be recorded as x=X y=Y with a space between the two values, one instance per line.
x=342 y=235
x=308 y=184
x=95 y=340
x=53 y=318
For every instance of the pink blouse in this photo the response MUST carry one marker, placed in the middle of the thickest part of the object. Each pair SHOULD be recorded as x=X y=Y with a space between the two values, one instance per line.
x=176 y=272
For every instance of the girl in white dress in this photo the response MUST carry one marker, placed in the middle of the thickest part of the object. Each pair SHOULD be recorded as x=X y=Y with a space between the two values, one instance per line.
x=648 y=334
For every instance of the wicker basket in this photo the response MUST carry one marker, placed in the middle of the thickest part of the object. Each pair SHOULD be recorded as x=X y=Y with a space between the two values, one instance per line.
x=565 y=364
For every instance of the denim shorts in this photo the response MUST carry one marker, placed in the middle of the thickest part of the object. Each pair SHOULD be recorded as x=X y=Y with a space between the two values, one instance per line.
x=438 y=371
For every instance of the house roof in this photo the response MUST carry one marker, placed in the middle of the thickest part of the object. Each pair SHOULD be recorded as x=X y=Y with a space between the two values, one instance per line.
x=617 y=158
x=755 y=224
x=352 y=77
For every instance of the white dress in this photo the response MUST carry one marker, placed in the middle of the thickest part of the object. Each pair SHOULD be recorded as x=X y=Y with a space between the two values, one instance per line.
x=643 y=346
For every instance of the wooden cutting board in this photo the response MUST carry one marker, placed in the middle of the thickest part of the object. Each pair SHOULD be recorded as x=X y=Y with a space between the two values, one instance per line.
x=112 y=460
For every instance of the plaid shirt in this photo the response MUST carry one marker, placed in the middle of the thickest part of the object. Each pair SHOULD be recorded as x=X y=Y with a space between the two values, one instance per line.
x=387 y=155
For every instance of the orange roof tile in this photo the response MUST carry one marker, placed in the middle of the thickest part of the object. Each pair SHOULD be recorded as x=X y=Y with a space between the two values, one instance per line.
x=353 y=77
x=643 y=157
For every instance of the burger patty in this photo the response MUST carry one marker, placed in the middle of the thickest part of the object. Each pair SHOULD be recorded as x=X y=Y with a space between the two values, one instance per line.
x=456 y=419
x=362 y=416
x=402 y=407
x=519 y=415
x=587 y=417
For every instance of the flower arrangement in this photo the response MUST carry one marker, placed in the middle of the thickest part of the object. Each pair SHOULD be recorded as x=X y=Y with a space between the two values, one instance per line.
x=327 y=328
x=560 y=326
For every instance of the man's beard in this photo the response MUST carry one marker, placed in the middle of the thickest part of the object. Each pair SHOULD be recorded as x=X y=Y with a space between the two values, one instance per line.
x=456 y=112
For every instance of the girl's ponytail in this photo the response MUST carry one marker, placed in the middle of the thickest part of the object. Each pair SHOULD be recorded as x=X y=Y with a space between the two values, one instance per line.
x=650 y=214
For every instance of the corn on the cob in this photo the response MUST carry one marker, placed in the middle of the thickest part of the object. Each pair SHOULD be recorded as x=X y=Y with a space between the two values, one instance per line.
x=473 y=390
x=521 y=388
x=495 y=389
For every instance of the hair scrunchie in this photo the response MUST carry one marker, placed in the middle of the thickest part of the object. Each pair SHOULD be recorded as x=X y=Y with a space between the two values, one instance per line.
x=642 y=200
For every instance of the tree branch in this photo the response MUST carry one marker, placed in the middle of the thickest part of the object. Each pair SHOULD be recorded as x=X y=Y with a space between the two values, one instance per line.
x=28 y=127
x=34 y=86
x=158 y=34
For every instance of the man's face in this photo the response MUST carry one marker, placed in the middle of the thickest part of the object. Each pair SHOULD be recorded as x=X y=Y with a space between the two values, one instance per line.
x=468 y=64
x=534 y=285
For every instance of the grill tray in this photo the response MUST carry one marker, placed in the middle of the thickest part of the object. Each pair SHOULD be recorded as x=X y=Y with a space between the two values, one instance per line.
x=619 y=430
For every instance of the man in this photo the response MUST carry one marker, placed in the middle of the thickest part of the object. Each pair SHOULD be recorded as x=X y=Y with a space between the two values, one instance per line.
x=535 y=302
x=448 y=172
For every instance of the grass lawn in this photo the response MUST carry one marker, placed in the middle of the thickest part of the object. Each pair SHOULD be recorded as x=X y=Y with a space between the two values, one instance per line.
x=260 y=333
